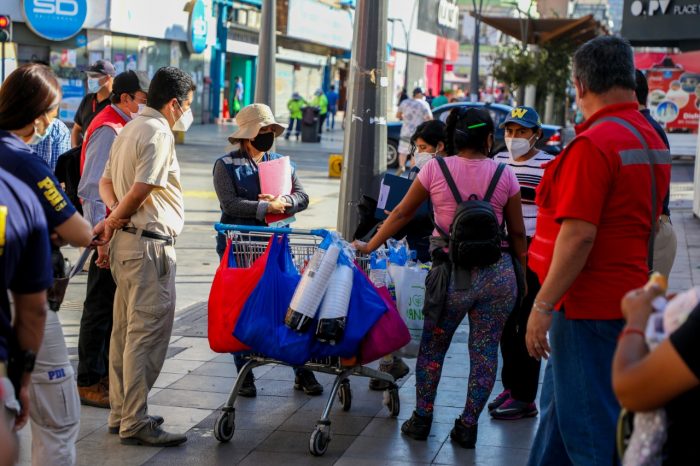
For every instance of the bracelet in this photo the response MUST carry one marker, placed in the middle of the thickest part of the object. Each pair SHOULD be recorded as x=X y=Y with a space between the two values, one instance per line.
x=537 y=308
x=631 y=331
x=545 y=304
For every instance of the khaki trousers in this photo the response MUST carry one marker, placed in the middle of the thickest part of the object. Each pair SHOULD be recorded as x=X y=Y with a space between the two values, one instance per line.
x=665 y=245
x=144 y=308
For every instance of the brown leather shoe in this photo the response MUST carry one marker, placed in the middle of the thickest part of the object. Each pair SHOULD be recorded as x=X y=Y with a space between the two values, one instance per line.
x=94 y=395
x=104 y=381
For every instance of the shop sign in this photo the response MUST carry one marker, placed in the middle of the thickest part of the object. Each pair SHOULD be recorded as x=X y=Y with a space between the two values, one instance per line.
x=73 y=92
x=55 y=19
x=198 y=28
x=439 y=17
x=663 y=23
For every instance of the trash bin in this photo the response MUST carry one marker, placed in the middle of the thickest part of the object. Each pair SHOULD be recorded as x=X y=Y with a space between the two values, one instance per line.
x=309 y=124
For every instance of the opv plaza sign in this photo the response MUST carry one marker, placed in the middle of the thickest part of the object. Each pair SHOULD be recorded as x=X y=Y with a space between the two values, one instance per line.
x=662 y=23
x=55 y=19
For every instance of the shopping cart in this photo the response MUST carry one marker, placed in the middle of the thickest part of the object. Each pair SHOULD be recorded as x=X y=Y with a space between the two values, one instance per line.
x=248 y=244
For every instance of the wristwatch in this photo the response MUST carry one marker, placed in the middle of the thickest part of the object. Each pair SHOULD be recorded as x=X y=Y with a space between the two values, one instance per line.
x=28 y=361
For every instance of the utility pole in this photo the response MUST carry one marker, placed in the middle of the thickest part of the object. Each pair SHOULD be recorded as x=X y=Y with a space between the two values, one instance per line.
x=474 y=78
x=265 y=77
x=365 y=141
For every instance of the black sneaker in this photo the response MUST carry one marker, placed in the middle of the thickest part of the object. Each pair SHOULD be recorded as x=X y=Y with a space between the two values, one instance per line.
x=248 y=389
x=499 y=400
x=305 y=380
x=418 y=427
x=397 y=369
x=464 y=435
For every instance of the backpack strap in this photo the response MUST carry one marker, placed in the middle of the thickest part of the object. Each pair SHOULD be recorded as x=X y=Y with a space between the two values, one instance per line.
x=651 y=161
x=450 y=181
x=494 y=181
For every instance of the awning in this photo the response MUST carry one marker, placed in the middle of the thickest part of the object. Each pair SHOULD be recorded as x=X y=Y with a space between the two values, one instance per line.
x=540 y=31
x=690 y=61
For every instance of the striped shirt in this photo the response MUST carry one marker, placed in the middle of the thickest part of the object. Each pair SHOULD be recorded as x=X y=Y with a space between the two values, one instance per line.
x=529 y=174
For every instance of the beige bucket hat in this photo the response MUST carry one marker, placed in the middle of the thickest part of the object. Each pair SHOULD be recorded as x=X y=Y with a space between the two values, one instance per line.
x=251 y=119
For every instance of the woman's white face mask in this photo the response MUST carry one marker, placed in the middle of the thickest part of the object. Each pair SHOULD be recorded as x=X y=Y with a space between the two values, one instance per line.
x=421 y=158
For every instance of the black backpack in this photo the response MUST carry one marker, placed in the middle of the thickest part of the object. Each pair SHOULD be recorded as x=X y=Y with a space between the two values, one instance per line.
x=475 y=235
x=67 y=172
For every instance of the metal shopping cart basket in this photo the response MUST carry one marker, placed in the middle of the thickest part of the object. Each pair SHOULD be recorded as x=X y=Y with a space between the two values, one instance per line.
x=248 y=244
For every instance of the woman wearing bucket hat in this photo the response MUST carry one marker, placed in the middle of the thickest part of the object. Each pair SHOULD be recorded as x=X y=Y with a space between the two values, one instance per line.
x=238 y=188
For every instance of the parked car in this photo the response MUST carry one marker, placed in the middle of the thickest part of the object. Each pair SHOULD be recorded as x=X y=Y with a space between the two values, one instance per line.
x=551 y=140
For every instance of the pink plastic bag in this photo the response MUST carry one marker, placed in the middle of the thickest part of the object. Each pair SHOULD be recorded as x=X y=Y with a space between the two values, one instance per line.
x=389 y=334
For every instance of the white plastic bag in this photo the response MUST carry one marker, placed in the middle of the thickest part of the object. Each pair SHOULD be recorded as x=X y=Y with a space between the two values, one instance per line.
x=410 y=296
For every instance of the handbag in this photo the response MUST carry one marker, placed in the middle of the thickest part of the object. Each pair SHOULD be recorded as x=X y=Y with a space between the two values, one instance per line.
x=229 y=291
x=388 y=335
x=261 y=323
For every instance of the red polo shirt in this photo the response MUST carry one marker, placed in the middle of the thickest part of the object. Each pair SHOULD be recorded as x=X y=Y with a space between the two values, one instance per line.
x=601 y=179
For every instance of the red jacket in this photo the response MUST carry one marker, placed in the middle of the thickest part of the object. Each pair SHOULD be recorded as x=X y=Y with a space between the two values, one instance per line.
x=107 y=117
x=603 y=178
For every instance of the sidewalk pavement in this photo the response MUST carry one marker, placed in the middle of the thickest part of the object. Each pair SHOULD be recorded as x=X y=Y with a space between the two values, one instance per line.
x=274 y=428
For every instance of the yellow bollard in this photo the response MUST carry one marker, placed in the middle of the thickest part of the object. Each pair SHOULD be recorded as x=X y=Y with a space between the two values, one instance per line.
x=335 y=165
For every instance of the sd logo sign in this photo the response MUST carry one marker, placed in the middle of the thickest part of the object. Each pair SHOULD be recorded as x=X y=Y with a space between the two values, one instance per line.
x=55 y=19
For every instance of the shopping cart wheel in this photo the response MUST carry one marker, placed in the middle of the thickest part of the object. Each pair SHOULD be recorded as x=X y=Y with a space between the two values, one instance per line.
x=318 y=443
x=225 y=426
x=345 y=395
x=392 y=401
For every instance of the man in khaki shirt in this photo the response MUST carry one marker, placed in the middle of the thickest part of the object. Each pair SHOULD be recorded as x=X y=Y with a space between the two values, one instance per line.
x=141 y=185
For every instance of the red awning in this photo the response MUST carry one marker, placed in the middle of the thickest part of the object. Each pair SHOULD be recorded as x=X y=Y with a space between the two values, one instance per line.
x=690 y=61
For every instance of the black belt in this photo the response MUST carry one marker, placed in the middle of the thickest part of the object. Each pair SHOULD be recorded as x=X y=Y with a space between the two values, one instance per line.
x=149 y=234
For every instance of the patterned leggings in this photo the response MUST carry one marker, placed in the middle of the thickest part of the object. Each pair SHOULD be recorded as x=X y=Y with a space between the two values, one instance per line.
x=488 y=302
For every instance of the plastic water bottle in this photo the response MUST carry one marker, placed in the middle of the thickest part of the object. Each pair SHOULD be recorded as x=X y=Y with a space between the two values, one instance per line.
x=311 y=289
x=334 y=308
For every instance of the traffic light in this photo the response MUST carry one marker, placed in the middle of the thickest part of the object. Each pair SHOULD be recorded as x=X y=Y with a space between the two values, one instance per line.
x=5 y=28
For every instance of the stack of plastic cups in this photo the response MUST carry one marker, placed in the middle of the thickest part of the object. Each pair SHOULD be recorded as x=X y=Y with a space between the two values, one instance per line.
x=311 y=289
x=334 y=309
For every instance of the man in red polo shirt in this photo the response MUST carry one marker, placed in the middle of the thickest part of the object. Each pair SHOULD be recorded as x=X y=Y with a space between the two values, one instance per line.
x=598 y=206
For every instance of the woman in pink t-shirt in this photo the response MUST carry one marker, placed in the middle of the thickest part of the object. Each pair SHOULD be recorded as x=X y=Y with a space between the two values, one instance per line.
x=486 y=295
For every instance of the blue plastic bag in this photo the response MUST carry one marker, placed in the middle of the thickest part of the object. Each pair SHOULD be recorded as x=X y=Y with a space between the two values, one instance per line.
x=261 y=323
x=365 y=309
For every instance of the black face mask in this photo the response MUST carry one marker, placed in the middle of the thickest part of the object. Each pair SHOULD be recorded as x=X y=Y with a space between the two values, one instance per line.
x=263 y=142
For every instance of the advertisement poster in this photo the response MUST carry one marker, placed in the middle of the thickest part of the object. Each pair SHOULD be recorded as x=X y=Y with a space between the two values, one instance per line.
x=131 y=62
x=73 y=92
x=674 y=98
x=119 y=62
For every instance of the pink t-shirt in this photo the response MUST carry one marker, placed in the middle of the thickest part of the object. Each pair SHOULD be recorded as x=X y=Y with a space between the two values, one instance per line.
x=471 y=177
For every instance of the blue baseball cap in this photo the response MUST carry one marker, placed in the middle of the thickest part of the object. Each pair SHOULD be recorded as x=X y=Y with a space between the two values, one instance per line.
x=523 y=116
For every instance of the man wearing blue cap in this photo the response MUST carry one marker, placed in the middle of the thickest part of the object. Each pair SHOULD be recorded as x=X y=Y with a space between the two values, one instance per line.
x=520 y=373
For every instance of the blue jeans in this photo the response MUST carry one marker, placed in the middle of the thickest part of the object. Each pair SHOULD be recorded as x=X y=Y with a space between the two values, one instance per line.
x=579 y=410
x=330 y=120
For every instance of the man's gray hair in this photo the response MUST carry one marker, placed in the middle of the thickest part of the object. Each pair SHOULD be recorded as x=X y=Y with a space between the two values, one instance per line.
x=604 y=63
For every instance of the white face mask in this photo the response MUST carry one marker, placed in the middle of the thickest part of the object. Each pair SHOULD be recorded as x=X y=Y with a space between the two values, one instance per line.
x=518 y=146
x=185 y=121
x=421 y=158
x=138 y=112
x=93 y=85
x=38 y=137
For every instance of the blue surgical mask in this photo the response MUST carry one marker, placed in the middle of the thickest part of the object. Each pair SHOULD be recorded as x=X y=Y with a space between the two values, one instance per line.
x=38 y=137
x=93 y=85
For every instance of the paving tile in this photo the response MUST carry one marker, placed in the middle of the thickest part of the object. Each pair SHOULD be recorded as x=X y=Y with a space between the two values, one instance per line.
x=515 y=434
x=180 y=366
x=259 y=458
x=216 y=369
x=359 y=407
x=261 y=421
x=482 y=455
x=298 y=442
x=110 y=452
x=305 y=421
x=390 y=448
x=188 y=399
x=195 y=354
x=178 y=419
x=204 y=383
x=202 y=448
x=167 y=378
